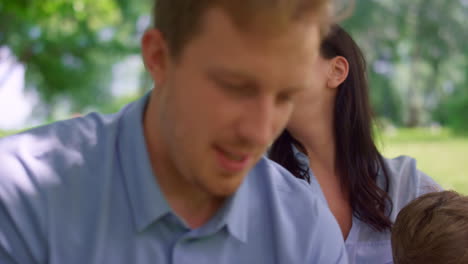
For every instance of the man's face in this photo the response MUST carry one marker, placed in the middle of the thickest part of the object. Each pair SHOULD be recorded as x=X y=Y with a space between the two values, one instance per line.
x=226 y=98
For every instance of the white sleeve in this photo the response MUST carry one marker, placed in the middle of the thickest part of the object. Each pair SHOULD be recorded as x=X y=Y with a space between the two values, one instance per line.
x=407 y=182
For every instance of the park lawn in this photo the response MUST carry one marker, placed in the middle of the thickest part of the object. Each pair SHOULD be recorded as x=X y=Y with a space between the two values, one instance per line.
x=439 y=154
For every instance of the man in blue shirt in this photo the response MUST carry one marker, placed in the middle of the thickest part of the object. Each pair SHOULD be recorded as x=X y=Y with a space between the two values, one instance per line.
x=178 y=176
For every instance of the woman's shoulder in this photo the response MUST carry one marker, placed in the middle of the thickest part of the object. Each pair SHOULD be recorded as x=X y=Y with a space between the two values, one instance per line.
x=407 y=182
x=404 y=173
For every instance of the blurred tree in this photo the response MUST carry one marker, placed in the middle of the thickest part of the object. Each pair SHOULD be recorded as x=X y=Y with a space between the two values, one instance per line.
x=416 y=52
x=411 y=47
x=452 y=110
x=69 y=46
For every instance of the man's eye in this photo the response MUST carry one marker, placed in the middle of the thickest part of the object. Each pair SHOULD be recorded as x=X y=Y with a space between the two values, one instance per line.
x=284 y=98
x=236 y=88
x=229 y=86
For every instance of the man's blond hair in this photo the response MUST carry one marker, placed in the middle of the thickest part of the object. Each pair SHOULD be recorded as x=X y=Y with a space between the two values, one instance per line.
x=179 y=20
x=432 y=229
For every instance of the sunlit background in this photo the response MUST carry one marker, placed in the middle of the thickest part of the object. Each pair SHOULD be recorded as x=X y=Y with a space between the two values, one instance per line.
x=59 y=58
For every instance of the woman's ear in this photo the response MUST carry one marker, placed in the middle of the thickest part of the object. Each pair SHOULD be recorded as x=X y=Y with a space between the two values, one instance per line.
x=338 y=72
x=155 y=55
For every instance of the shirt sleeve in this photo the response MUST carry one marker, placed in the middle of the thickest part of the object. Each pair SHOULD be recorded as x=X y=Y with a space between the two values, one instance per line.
x=19 y=232
x=5 y=258
x=12 y=245
x=407 y=183
x=426 y=184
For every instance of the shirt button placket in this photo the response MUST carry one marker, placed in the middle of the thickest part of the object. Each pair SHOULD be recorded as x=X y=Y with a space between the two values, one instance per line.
x=181 y=251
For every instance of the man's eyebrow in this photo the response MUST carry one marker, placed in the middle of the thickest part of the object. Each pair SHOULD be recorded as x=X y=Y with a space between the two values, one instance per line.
x=294 y=89
x=246 y=78
x=230 y=74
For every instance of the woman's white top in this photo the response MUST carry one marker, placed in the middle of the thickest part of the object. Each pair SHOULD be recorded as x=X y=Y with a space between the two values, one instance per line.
x=363 y=244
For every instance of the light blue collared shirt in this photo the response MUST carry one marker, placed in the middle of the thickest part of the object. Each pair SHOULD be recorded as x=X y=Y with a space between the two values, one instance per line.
x=83 y=191
x=364 y=245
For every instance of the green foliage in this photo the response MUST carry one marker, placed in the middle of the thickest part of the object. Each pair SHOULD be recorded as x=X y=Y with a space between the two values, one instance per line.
x=414 y=49
x=117 y=104
x=69 y=46
x=453 y=112
x=385 y=100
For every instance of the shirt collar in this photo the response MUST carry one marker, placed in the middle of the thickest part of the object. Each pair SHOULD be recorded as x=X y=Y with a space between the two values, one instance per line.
x=300 y=156
x=232 y=217
x=235 y=213
x=146 y=199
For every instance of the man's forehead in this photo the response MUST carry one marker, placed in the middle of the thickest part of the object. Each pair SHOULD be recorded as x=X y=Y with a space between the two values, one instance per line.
x=259 y=25
x=291 y=83
x=220 y=40
x=274 y=16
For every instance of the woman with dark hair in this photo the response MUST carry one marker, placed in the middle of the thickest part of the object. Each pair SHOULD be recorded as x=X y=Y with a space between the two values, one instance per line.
x=328 y=142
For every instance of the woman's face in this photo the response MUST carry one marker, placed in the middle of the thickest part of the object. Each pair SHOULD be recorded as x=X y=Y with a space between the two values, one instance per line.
x=316 y=102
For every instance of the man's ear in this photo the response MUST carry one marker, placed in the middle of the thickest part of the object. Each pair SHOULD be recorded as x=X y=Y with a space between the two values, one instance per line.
x=338 y=72
x=155 y=55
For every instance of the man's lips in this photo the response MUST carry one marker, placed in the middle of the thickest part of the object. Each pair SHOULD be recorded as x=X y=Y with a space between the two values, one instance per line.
x=231 y=160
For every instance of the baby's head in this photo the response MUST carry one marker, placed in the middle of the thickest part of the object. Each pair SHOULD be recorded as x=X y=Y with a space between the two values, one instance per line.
x=432 y=229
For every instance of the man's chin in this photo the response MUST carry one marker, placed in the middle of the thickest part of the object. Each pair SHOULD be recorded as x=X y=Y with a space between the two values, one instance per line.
x=227 y=189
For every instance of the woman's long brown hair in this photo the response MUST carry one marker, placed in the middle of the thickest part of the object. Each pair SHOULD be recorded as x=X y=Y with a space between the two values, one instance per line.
x=358 y=161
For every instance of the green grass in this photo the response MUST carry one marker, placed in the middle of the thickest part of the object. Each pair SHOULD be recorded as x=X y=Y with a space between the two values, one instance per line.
x=439 y=154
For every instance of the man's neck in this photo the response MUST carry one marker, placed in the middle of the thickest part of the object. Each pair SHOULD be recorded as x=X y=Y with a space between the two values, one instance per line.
x=189 y=202
x=186 y=199
x=194 y=210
